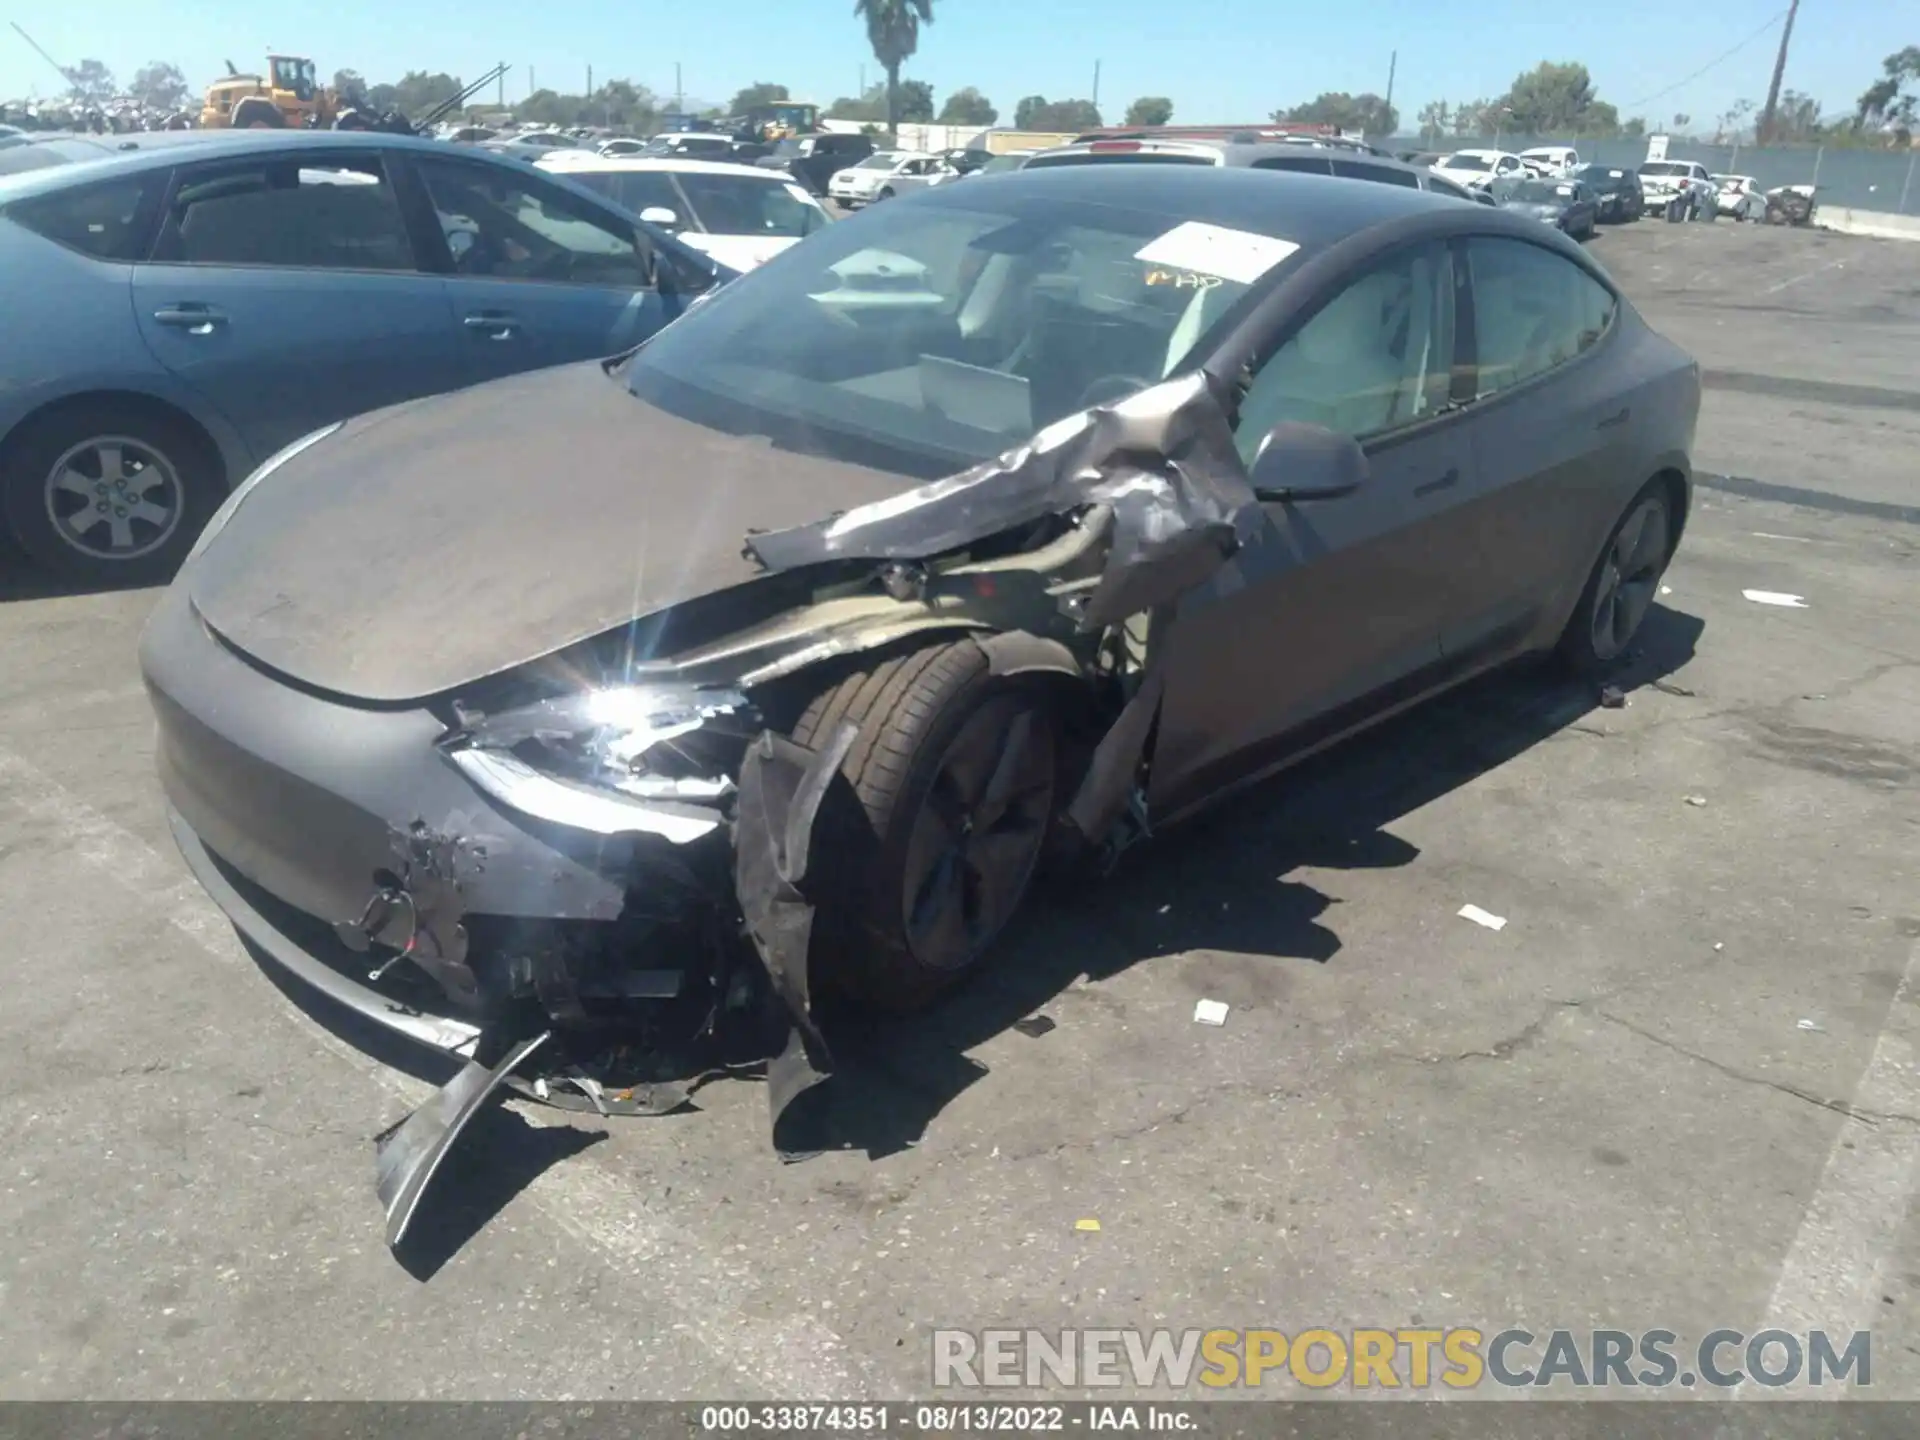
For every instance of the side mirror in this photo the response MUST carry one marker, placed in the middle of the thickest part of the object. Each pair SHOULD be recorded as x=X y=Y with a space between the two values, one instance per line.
x=661 y=216
x=1298 y=461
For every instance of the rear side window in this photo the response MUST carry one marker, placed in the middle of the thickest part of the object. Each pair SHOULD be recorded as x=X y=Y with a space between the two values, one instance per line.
x=634 y=190
x=314 y=214
x=1385 y=175
x=1309 y=164
x=109 y=221
x=1533 y=311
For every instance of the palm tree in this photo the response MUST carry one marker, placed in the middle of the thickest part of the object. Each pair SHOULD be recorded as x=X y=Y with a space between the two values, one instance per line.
x=893 y=29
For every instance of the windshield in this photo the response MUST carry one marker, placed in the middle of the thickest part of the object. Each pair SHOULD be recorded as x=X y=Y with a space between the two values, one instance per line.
x=884 y=160
x=1665 y=167
x=1465 y=161
x=922 y=339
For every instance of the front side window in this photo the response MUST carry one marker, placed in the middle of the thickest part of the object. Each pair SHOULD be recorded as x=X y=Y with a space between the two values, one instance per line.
x=634 y=190
x=505 y=227
x=311 y=213
x=103 y=220
x=928 y=338
x=735 y=205
x=1377 y=356
x=1533 y=310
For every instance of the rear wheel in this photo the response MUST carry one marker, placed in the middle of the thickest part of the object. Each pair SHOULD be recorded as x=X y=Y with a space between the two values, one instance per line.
x=954 y=772
x=106 y=494
x=1623 y=586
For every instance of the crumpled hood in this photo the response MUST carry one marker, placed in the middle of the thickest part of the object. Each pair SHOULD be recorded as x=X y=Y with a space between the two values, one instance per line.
x=426 y=546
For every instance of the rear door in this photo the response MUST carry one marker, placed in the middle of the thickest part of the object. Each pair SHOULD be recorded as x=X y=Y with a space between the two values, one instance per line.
x=539 y=275
x=286 y=291
x=1336 y=612
x=1550 y=427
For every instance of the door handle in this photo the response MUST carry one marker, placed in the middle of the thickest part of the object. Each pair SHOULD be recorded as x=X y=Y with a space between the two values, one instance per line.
x=1619 y=418
x=194 y=319
x=1452 y=477
x=494 y=324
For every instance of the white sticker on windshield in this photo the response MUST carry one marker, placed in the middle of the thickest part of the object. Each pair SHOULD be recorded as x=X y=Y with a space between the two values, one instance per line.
x=1238 y=255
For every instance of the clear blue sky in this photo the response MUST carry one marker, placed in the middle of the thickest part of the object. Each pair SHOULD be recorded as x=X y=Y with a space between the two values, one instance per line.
x=1219 y=63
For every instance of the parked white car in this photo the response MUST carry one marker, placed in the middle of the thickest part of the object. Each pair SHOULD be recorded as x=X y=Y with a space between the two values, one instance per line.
x=885 y=174
x=1739 y=196
x=1478 y=169
x=1553 y=161
x=740 y=215
x=1665 y=181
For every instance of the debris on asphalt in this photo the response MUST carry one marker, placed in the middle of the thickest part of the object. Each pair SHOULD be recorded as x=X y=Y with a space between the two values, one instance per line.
x=1719 y=946
x=1483 y=917
x=1089 y=1224
x=1813 y=1025
x=1612 y=697
x=1035 y=1025
x=1696 y=799
x=1666 y=589
x=1776 y=597
x=1667 y=687
x=1210 y=1012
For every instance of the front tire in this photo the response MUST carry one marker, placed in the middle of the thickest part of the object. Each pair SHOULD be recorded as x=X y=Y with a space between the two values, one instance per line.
x=1622 y=587
x=105 y=494
x=955 y=771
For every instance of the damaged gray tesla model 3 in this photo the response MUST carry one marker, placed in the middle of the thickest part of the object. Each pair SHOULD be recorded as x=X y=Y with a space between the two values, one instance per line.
x=580 y=724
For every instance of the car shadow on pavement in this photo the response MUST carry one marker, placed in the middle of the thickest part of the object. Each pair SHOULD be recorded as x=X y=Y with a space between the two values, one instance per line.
x=1220 y=883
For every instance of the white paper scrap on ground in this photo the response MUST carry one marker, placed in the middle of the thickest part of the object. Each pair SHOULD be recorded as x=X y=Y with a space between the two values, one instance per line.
x=1776 y=597
x=1209 y=1012
x=1483 y=917
x=1238 y=255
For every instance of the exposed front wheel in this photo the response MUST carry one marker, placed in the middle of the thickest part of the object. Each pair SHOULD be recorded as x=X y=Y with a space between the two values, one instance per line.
x=99 y=495
x=954 y=772
x=1623 y=586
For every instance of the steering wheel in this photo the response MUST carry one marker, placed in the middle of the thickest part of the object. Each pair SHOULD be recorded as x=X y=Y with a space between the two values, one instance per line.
x=1109 y=388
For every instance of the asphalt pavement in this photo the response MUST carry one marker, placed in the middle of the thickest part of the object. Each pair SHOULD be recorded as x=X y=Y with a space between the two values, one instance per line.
x=1677 y=1089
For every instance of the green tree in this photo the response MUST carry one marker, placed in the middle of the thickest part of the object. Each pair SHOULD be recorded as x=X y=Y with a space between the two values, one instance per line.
x=350 y=87
x=868 y=107
x=419 y=91
x=1149 y=110
x=624 y=106
x=1796 y=119
x=758 y=93
x=1036 y=112
x=1885 y=104
x=159 y=86
x=1366 y=113
x=1435 y=118
x=1634 y=128
x=967 y=106
x=1555 y=99
x=893 y=30
x=92 y=83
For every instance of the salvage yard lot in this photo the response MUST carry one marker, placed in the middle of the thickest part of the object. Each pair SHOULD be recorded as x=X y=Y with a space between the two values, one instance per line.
x=1675 y=1090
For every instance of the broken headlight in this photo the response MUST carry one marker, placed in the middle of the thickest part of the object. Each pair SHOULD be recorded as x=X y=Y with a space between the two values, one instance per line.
x=613 y=760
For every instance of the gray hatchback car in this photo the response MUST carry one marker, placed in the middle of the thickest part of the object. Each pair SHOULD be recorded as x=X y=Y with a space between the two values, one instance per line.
x=182 y=305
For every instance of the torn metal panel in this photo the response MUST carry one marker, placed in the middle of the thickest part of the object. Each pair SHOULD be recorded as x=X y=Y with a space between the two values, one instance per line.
x=1113 y=775
x=420 y=907
x=782 y=786
x=1019 y=652
x=1164 y=457
x=407 y=1157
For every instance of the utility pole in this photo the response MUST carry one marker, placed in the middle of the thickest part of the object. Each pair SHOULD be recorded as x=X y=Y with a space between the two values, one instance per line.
x=679 y=95
x=589 y=82
x=1096 y=84
x=1393 y=65
x=503 y=84
x=529 y=82
x=1763 y=132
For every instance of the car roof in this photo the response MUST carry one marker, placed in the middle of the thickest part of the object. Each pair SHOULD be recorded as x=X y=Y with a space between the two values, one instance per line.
x=155 y=149
x=1236 y=153
x=585 y=162
x=1478 y=154
x=1311 y=210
